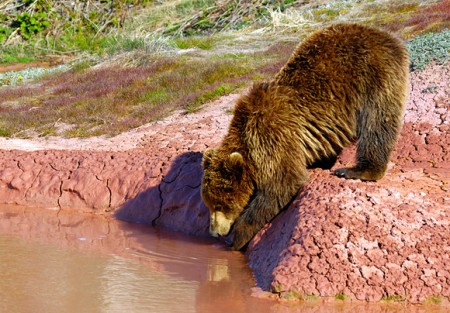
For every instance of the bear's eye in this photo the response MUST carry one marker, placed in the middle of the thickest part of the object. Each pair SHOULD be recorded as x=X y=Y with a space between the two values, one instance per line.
x=218 y=208
x=228 y=189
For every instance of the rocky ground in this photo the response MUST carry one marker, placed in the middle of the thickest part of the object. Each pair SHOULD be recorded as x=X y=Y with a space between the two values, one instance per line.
x=351 y=239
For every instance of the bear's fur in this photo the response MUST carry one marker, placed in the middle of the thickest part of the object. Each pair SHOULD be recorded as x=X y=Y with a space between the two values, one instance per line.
x=343 y=83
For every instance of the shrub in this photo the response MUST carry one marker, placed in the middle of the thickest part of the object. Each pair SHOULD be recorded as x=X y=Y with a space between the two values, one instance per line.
x=31 y=24
x=429 y=47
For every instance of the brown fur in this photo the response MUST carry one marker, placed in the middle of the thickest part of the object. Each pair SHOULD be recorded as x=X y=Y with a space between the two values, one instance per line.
x=343 y=83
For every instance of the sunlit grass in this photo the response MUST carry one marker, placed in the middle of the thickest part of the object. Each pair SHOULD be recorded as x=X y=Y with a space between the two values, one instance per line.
x=203 y=43
x=210 y=95
x=408 y=18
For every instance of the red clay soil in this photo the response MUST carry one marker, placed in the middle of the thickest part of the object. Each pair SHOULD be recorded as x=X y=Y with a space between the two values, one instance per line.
x=49 y=62
x=359 y=240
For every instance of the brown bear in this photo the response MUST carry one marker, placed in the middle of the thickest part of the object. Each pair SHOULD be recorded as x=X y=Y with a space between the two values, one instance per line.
x=343 y=83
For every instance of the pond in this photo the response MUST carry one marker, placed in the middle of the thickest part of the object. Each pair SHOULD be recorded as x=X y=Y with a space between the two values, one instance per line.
x=56 y=261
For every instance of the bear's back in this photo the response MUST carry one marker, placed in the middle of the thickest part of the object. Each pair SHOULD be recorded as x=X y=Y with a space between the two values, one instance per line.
x=344 y=60
x=337 y=81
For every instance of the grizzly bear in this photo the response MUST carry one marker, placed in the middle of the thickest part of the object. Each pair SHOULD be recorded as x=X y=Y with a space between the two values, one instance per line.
x=342 y=84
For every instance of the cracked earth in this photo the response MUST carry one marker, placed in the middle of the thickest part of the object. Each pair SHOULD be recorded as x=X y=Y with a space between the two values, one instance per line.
x=365 y=241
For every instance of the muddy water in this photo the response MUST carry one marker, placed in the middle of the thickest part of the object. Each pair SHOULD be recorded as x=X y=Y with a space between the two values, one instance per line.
x=62 y=262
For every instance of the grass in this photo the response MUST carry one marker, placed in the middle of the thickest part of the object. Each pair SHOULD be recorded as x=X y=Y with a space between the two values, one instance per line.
x=393 y=298
x=19 y=53
x=433 y=300
x=408 y=18
x=341 y=297
x=112 y=99
x=210 y=95
x=203 y=43
x=424 y=19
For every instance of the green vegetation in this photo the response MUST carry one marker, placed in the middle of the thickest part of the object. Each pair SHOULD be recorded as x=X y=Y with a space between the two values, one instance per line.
x=311 y=297
x=294 y=295
x=291 y=295
x=408 y=18
x=129 y=62
x=204 y=43
x=429 y=47
x=340 y=296
x=393 y=298
x=214 y=16
x=221 y=90
x=420 y=19
x=433 y=300
x=277 y=289
x=41 y=26
x=32 y=29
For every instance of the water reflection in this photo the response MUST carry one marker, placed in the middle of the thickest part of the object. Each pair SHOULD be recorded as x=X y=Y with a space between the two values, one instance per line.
x=63 y=262
x=43 y=278
x=54 y=261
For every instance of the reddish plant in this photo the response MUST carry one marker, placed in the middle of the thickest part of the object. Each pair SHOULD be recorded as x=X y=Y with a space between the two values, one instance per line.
x=434 y=17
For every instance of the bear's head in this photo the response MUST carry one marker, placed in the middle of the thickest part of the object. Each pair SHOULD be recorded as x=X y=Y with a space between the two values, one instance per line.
x=226 y=189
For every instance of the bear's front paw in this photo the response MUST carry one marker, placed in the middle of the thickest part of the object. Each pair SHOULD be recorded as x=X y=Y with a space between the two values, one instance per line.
x=243 y=233
x=239 y=244
x=341 y=172
x=357 y=173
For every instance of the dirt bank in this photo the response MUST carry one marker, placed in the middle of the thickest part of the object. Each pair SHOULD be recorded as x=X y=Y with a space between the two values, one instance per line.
x=365 y=241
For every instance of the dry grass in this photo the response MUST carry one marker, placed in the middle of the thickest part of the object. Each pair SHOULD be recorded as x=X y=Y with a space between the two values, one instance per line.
x=406 y=17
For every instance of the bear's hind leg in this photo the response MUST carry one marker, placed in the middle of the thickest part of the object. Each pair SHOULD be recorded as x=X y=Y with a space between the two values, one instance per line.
x=372 y=157
x=378 y=126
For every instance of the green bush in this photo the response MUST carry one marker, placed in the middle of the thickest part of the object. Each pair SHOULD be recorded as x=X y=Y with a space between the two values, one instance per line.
x=31 y=24
x=26 y=19
x=4 y=33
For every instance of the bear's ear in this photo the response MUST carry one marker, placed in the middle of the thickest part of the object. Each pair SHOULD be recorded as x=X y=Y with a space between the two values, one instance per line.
x=207 y=157
x=236 y=164
x=236 y=159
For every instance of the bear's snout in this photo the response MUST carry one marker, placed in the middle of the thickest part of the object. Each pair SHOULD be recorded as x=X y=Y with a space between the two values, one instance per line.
x=220 y=225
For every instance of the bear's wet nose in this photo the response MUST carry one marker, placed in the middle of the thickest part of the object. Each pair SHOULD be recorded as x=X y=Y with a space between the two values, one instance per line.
x=213 y=232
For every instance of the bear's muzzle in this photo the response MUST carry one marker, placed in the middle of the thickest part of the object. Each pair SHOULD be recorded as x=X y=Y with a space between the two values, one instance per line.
x=220 y=225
